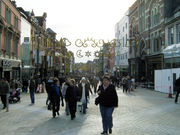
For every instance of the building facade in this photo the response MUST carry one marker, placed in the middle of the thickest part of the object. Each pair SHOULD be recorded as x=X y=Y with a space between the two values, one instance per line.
x=122 y=44
x=147 y=34
x=25 y=42
x=10 y=29
x=172 y=34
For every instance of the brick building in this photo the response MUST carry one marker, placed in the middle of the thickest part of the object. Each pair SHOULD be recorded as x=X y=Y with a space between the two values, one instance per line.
x=147 y=34
x=9 y=40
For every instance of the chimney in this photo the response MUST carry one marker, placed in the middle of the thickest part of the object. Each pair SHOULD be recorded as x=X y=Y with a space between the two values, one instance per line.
x=14 y=3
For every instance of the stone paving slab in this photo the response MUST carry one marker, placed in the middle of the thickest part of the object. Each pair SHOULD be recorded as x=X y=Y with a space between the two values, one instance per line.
x=142 y=112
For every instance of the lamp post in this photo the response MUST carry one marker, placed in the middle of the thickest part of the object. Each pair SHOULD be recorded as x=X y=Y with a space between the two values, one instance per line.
x=38 y=35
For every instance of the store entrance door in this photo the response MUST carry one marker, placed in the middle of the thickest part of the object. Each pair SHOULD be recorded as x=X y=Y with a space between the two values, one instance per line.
x=7 y=75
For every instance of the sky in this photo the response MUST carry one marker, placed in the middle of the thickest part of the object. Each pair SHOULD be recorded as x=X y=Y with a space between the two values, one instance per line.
x=80 y=19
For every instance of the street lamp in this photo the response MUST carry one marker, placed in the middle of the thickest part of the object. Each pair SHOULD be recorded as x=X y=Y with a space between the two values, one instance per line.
x=38 y=35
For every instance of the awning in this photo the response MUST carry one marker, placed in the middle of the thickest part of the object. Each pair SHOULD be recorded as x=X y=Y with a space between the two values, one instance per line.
x=172 y=51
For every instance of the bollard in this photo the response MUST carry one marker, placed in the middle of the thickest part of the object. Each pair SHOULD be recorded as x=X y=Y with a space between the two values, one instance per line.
x=170 y=92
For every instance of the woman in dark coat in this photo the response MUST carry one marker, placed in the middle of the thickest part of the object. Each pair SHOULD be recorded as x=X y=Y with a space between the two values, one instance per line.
x=71 y=97
x=55 y=95
x=107 y=100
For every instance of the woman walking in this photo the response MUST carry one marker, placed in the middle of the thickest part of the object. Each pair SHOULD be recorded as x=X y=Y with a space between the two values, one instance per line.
x=71 y=97
x=83 y=92
x=107 y=100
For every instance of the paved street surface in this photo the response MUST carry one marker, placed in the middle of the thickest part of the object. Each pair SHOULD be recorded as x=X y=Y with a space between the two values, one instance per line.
x=142 y=112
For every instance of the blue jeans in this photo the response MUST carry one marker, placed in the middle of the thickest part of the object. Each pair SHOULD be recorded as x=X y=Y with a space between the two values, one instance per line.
x=32 y=96
x=84 y=107
x=106 y=114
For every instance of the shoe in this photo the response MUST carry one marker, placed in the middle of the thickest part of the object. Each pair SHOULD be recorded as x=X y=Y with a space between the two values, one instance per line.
x=72 y=118
x=58 y=113
x=4 y=107
x=104 y=133
x=110 y=131
x=54 y=115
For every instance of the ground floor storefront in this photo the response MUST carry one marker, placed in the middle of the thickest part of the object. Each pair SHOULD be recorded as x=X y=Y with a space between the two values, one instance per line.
x=142 y=69
x=10 y=69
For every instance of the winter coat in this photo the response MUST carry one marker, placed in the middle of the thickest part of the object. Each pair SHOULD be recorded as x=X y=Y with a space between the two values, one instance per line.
x=32 y=85
x=54 y=97
x=49 y=85
x=80 y=88
x=108 y=97
x=71 y=94
x=177 y=84
x=4 y=88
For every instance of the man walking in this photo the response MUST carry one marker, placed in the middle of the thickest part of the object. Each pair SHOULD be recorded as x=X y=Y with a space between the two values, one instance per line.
x=177 y=85
x=4 y=90
x=32 y=87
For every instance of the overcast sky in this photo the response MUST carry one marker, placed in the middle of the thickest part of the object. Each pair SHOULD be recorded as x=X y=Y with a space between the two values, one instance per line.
x=80 y=19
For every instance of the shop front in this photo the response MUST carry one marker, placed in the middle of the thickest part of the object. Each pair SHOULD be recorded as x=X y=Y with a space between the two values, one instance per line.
x=10 y=69
x=154 y=62
x=172 y=56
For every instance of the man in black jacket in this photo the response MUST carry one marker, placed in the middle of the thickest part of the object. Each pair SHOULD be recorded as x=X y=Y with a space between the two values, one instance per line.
x=4 y=90
x=177 y=85
x=107 y=99
x=55 y=95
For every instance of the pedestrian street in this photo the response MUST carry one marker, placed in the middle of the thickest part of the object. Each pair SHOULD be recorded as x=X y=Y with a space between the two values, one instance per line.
x=142 y=112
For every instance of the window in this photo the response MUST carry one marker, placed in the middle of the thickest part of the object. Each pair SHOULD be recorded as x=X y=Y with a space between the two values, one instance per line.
x=26 y=39
x=7 y=43
x=15 y=45
x=8 y=15
x=126 y=39
x=178 y=33
x=16 y=22
x=171 y=35
x=123 y=41
x=155 y=15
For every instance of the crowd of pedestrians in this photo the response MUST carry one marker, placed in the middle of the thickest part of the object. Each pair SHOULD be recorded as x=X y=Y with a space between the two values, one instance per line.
x=73 y=92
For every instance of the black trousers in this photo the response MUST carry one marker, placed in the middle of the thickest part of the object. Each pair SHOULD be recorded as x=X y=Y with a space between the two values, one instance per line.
x=3 y=99
x=177 y=95
x=55 y=106
x=72 y=108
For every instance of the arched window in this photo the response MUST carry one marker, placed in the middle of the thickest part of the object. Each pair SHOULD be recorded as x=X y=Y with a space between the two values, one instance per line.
x=155 y=14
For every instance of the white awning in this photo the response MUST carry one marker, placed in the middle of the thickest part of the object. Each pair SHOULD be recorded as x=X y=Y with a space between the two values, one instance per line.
x=172 y=51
